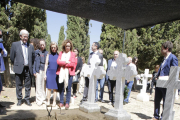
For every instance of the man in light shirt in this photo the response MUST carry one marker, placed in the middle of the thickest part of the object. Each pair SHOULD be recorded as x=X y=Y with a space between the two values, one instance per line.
x=132 y=62
x=94 y=48
x=111 y=83
x=101 y=81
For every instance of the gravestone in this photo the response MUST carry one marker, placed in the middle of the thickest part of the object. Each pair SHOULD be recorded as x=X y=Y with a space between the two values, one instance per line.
x=120 y=74
x=93 y=72
x=143 y=96
x=176 y=95
x=170 y=84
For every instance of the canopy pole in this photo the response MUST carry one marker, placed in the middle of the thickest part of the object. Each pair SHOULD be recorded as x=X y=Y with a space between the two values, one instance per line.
x=124 y=40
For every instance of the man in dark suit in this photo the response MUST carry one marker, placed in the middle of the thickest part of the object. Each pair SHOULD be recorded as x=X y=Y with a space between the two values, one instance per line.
x=22 y=57
x=111 y=83
x=94 y=47
x=169 y=60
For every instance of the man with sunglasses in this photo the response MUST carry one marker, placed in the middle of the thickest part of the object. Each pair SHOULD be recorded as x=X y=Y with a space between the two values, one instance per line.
x=3 y=53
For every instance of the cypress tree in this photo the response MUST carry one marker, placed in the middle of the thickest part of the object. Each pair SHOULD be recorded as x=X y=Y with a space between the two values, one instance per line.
x=48 y=42
x=111 y=40
x=14 y=17
x=78 y=33
x=61 y=38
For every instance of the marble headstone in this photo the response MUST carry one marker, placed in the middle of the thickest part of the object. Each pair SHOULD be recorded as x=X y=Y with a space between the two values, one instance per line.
x=93 y=72
x=143 y=96
x=120 y=73
x=170 y=83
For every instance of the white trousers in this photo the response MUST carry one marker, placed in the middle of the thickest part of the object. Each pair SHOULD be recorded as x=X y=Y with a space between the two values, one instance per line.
x=40 y=88
x=81 y=84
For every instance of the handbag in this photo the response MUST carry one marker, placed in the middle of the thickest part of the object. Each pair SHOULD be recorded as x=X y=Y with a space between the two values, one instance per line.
x=75 y=80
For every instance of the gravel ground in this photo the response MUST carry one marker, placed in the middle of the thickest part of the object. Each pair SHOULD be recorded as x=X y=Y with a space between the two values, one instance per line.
x=137 y=109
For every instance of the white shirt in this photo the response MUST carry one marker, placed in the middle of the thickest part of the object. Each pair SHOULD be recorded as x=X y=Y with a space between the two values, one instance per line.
x=134 y=66
x=165 y=59
x=104 y=63
x=25 y=53
x=114 y=64
x=64 y=72
x=95 y=52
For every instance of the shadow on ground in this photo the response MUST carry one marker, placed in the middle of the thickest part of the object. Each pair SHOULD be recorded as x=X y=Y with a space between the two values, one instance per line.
x=74 y=114
x=142 y=116
x=18 y=115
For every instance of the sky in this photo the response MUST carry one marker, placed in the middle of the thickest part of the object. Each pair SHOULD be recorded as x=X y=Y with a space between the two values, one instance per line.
x=56 y=20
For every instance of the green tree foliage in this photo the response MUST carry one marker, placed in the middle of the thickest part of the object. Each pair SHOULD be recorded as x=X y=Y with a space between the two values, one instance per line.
x=131 y=43
x=145 y=43
x=111 y=40
x=150 y=41
x=16 y=16
x=78 y=32
x=48 y=42
x=61 y=38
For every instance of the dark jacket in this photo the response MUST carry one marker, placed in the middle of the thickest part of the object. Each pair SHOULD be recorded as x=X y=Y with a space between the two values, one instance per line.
x=108 y=68
x=79 y=66
x=17 y=58
x=165 y=69
x=37 y=60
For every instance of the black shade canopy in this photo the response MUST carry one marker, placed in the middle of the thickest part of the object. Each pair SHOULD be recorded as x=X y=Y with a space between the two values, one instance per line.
x=122 y=13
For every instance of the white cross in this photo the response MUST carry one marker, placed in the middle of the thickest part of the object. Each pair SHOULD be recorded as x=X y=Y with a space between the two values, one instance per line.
x=145 y=79
x=171 y=84
x=143 y=96
x=94 y=72
x=120 y=74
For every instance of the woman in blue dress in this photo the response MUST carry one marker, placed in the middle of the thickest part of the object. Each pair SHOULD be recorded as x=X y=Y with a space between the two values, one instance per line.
x=50 y=72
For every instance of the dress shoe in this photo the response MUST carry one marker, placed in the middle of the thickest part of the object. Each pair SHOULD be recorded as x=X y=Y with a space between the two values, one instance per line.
x=19 y=103
x=67 y=106
x=1 y=106
x=84 y=99
x=28 y=103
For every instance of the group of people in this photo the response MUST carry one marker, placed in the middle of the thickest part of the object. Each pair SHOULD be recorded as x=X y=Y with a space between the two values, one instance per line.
x=58 y=71
x=111 y=83
x=52 y=70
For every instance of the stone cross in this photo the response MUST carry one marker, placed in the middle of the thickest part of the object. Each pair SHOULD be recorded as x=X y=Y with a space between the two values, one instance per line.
x=143 y=96
x=120 y=74
x=93 y=72
x=171 y=84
